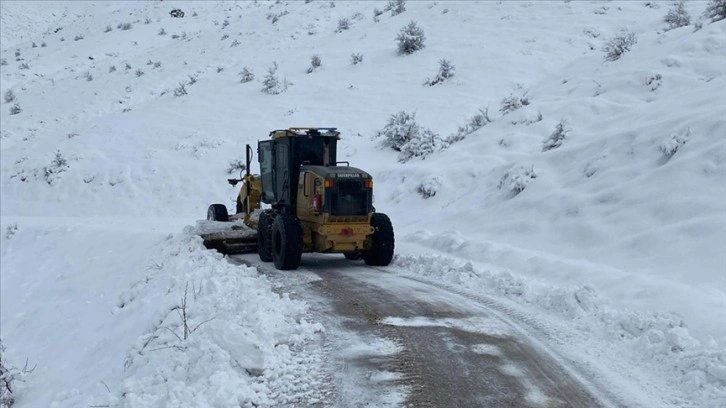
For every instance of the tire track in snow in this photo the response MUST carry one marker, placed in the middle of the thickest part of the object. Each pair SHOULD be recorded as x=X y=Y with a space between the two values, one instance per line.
x=443 y=364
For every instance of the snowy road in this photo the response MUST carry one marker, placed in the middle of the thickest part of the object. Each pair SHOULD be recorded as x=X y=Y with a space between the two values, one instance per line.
x=396 y=340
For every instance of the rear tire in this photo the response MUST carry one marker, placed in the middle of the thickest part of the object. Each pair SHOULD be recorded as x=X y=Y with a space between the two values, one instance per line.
x=382 y=241
x=217 y=212
x=287 y=242
x=264 y=232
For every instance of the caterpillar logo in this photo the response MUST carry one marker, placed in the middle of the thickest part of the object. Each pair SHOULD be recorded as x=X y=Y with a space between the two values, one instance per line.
x=348 y=175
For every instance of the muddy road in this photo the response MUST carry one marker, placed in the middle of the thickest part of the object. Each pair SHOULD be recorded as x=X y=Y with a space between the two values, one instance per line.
x=394 y=340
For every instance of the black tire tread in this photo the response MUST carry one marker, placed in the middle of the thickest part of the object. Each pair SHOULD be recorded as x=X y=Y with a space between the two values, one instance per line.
x=218 y=212
x=289 y=253
x=382 y=242
x=264 y=234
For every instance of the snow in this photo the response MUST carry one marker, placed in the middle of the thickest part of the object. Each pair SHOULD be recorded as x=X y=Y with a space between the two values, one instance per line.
x=616 y=232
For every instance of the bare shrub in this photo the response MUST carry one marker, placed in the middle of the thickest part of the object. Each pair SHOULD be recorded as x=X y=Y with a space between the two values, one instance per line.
x=246 y=75
x=396 y=7
x=271 y=84
x=399 y=130
x=9 y=96
x=423 y=145
x=556 y=138
x=515 y=181
x=677 y=16
x=10 y=375
x=234 y=43
x=43 y=44
x=343 y=24
x=619 y=45
x=15 y=109
x=125 y=26
x=181 y=309
x=78 y=37
x=9 y=233
x=162 y=31
x=428 y=188
x=401 y=133
x=716 y=10
x=315 y=63
x=224 y=37
x=112 y=68
x=377 y=15
x=356 y=58
x=58 y=165
x=274 y=18
x=24 y=65
x=88 y=76
x=671 y=145
x=3 y=62
x=654 y=81
x=236 y=166
x=138 y=73
x=157 y=64
x=181 y=90
x=410 y=39
x=513 y=102
x=476 y=122
x=108 y=29
x=192 y=80
x=446 y=71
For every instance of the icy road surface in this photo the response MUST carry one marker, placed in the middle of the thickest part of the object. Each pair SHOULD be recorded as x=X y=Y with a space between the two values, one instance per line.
x=395 y=340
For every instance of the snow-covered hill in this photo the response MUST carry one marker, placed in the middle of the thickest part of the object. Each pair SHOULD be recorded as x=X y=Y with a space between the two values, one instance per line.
x=129 y=119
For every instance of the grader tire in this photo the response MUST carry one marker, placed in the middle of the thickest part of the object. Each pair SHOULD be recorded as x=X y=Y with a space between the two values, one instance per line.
x=382 y=241
x=287 y=242
x=264 y=234
x=217 y=212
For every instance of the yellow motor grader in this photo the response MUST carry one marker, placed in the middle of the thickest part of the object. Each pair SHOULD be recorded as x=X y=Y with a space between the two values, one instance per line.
x=316 y=204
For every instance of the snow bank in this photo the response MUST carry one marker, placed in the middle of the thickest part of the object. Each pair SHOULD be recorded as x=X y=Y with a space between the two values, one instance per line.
x=117 y=315
x=658 y=343
x=244 y=345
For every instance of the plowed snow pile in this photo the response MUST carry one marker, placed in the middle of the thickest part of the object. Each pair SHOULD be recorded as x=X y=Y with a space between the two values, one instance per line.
x=587 y=190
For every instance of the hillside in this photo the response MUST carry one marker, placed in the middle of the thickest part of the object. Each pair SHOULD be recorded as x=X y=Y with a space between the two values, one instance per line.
x=129 y=120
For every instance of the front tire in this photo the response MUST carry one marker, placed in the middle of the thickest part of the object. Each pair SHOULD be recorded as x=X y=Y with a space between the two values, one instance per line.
x=382 y=241
x=287 y=242
x=264 y=234
x=217 y=212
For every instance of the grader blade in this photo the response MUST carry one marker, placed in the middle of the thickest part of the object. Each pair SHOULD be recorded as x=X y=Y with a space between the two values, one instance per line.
x=228 y=237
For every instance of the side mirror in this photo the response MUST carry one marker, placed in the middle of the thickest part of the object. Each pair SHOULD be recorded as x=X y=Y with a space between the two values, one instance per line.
x=233 y=182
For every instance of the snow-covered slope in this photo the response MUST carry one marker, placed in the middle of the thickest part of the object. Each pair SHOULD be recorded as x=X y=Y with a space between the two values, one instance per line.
x=104 y=161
